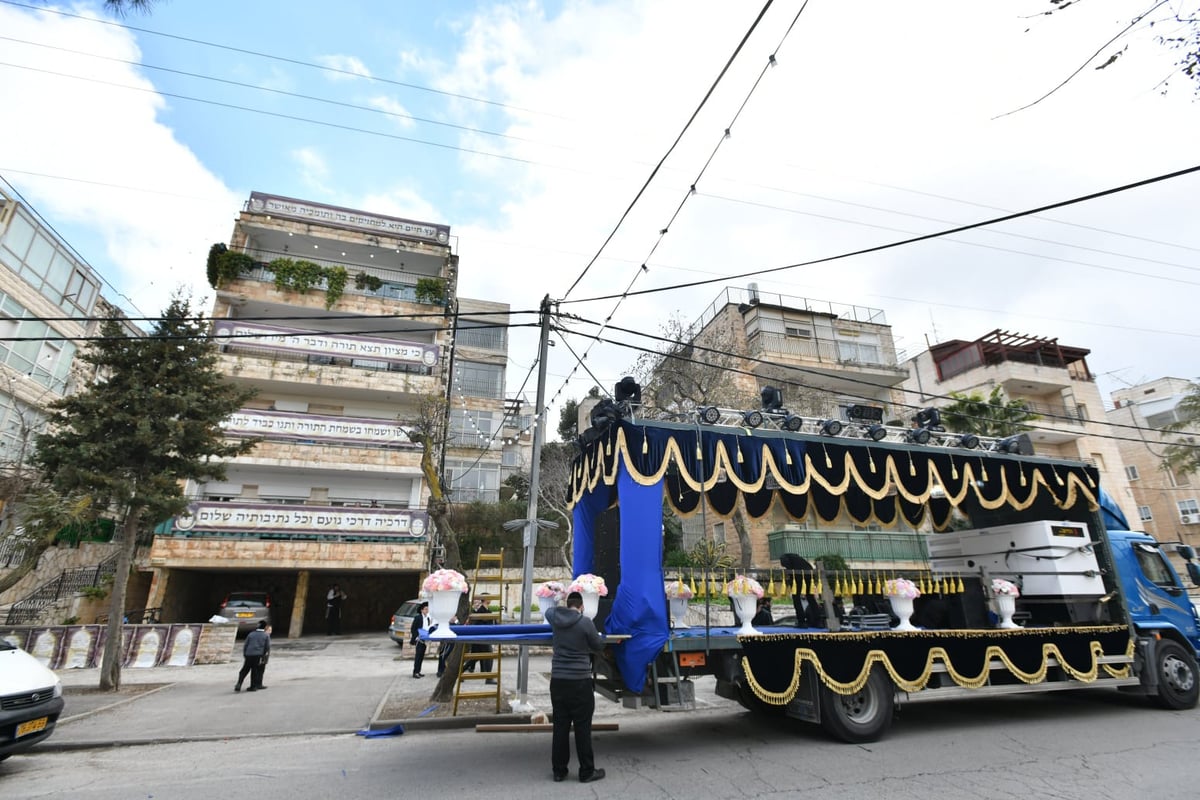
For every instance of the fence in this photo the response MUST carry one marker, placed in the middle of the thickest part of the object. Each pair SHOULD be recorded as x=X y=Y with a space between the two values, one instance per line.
x=69 y=583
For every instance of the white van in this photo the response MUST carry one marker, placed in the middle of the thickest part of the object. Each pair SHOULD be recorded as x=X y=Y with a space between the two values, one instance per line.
x=30 y=700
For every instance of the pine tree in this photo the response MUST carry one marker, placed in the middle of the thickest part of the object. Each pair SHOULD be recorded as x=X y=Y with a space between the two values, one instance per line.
x=149 y=422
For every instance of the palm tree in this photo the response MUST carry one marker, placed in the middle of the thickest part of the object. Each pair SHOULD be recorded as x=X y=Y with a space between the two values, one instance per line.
x=991 y=416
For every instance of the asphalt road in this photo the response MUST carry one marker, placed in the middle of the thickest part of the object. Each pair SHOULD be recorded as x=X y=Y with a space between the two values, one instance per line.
x=1067 y=746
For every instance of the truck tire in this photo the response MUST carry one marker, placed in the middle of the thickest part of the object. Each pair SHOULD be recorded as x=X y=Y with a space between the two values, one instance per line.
x=860 y=717
x=1178 y=683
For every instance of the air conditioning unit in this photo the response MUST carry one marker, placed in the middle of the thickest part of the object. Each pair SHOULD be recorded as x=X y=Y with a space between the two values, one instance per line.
x=1189 y=519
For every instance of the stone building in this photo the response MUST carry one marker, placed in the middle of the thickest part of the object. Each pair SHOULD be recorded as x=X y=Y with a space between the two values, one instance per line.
x=345 y=322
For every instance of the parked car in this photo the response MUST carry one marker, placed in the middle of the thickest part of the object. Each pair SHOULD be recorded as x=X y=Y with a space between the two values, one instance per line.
x=30 y=700
x=401 y=626
x=247 y=609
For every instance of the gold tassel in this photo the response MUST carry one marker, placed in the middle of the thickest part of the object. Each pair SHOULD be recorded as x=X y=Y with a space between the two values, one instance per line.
x=1022 y=477
x=739 y=458
x=803 y=585
x=871 y=461
x=608 y=448
x=837 y=584
x=983 y=471
x=1058 y=477
x=912 y=468
x=699 y=452
x=787 y=457
x=771 y=585
x=828 y=463
x=692 y=582
x=954 y=470
x=645 y=445
x=860 y=585
x=793 y=583
x=819 y=588
x=959 y=588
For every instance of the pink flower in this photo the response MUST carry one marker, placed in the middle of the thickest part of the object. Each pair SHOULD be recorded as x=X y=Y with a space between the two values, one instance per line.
x=1001 y=586
x=551 y=589
x=743 y=585
x=587 y=582
x=445 y=580
x=678 y=590
x=901 y=587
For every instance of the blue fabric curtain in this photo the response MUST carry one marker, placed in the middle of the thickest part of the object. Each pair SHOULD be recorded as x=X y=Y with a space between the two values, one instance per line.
x=640 y=605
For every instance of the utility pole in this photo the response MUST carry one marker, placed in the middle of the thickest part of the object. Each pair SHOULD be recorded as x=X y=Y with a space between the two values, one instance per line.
x=531 y=520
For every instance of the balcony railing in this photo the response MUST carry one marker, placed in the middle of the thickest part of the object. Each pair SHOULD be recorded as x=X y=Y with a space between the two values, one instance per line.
x=390 y=290
x=825 y=351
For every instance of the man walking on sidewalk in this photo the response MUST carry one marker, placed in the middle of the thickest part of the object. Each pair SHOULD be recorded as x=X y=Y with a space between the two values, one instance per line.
x=255 y=652
x=572 y=693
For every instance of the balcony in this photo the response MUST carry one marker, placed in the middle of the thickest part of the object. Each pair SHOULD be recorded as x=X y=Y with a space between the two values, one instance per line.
x=207 y=519
x=836 y=358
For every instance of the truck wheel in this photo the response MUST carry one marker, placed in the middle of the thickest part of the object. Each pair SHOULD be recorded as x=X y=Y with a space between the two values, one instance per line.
x=861 y=717
x=1178 y=685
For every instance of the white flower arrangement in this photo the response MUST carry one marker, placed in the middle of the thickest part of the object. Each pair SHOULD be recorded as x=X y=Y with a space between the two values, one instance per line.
x=1001 y=586
x=551 y=590
x=445 y=580
x=901 y=587
x=743 y=585
x=678 y=590
x=587 y=582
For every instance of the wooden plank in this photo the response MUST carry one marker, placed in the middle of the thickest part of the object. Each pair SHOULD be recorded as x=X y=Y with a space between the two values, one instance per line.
x=536 y=727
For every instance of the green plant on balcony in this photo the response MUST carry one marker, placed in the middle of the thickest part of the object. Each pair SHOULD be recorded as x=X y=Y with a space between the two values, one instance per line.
x=300 y=275
x=369 y=282
x=225 y=265
x=431 y=290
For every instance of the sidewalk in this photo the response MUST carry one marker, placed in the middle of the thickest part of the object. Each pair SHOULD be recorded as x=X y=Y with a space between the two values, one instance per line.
x=317 y=685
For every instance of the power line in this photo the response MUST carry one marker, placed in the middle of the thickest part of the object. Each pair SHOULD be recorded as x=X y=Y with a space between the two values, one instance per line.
x=283 y=59
x=284 y=93
x=911 y=240
x=278 y=115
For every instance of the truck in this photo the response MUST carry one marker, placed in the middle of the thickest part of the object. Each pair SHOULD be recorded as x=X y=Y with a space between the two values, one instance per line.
x=1099 y=605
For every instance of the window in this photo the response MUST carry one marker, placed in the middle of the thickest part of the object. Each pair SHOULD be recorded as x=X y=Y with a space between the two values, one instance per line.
x=1188 y=507
x=479 y=380
x=1153 y=565
x=1144 y=513
x=470 y=428
x=473 y=481
x=511 y=458
x=798 y=331
x=484 y=335
x=1131 y=472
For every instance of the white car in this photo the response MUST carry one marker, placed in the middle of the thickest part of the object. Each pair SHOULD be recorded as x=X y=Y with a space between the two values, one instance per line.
x=30 y=700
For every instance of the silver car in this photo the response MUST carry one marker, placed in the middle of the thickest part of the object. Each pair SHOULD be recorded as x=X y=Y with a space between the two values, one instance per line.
x=401 y=625
x=247 y=609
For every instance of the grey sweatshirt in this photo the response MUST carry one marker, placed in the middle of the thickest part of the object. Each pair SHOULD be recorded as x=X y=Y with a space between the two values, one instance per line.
x=575 y=638
x=257 y=644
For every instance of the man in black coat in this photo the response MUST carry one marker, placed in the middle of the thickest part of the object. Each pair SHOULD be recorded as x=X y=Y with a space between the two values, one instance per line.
x=255 y=652
x=422 y=621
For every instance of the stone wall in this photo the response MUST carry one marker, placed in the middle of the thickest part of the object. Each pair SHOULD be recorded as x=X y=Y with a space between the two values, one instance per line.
x=53 y=562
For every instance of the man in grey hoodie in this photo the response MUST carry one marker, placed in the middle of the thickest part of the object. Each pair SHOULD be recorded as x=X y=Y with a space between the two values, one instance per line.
x=572 y=693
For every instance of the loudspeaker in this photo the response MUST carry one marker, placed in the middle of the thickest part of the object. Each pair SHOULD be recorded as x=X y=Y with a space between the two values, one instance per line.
x=606 y=557
x=968 y=608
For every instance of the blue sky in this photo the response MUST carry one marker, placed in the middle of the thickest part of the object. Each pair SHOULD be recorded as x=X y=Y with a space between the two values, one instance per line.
x=879 y=122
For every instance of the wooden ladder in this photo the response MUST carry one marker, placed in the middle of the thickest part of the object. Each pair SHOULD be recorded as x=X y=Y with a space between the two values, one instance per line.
x=482 y=561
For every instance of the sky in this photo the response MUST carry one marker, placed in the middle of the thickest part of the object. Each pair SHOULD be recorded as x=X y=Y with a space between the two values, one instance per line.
x=531 y=127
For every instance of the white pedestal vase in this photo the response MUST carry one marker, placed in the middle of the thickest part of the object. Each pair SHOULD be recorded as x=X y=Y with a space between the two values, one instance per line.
x=591 y=604
x=679 y=610
x=443 y=607
x=1006 y=604
x=746 y=605
x=903 y=606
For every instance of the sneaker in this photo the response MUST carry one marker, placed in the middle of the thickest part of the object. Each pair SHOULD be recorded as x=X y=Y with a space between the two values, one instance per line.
x=597 y=775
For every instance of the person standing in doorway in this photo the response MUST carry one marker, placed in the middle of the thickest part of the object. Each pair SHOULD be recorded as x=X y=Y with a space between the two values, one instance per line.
x=421 y=622
x=572 y=691
x=333 y=610
x=255 y=653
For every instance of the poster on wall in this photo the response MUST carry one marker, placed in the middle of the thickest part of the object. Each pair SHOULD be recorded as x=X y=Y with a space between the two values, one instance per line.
x=44 y=644
x=146 y=646
x=182 y=641
x=79 y=647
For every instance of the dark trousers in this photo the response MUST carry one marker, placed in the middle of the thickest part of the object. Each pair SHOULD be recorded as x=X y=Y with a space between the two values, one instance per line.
x=485 y=665
x=333 y=621
x=444 y=651
x=254 y=666
x=573 y=701
x=418 y=656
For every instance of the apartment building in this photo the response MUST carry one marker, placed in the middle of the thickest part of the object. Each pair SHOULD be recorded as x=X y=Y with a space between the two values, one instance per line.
x=824 y=357
x=1050 y=378
x=346 y=323
x=1168 y=502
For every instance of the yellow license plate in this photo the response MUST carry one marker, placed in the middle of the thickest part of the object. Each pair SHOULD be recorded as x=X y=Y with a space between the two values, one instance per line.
x=245 y=614
x=32 y=726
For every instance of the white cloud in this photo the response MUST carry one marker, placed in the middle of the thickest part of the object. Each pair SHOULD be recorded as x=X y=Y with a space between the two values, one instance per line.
x=348 y=67
x=399 y=114
x=314 y=172
x=90 y=138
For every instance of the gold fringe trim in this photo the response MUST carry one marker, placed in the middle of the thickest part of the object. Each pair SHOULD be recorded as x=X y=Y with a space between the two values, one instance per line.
x=1049 y=650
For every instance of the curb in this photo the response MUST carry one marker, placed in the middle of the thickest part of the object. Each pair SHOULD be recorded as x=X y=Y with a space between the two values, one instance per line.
x=62 y=747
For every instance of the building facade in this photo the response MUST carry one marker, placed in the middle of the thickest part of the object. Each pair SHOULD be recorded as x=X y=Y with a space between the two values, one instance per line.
x=1050 y=379
x=1168 y=501
x=344 y=323
x=824 y=357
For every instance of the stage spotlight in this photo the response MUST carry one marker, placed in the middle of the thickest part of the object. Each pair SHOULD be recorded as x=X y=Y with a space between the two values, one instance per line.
x=917 y=436
x=858 y=413
x=831 y=427
x=1020 y=444
x=875 y=433
x=709 y=415
x=969 y=441
x=604 y=414
x=752 y=419
x=628 y=389
x=772 y=398
x=793 y=423
x=929 y=418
